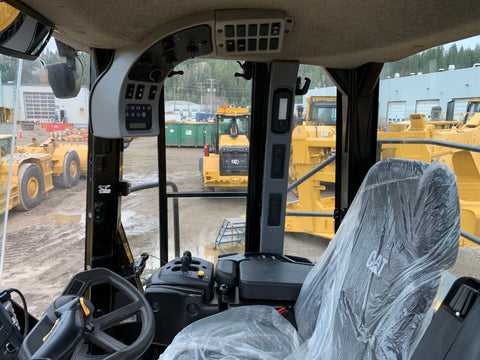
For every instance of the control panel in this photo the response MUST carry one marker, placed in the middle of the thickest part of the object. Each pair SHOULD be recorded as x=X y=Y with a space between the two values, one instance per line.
x=154 y=64
x=250 y=31
x=186 y=289
x=138 y=116
x=125 y=98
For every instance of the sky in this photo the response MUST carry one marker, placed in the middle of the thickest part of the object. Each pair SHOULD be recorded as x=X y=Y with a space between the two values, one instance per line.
x=466 y=43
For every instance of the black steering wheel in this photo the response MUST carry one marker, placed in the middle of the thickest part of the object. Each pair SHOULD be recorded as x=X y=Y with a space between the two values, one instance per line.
x=67 y=323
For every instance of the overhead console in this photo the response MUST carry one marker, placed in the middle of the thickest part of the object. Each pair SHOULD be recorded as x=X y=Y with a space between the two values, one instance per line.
x=125 y=98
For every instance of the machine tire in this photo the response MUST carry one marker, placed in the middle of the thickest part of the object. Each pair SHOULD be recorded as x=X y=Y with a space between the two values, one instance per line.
x=71 y=171
x=202 y=185
x=31 y=184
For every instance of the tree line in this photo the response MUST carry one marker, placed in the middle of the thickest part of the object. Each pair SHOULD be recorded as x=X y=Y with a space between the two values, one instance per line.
x=433 y=60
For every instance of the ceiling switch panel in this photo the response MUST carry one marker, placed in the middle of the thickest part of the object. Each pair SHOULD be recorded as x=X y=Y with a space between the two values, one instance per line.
x=254 y=31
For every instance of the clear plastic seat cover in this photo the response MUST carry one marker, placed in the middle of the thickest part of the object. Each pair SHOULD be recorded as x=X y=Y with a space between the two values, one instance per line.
x=371 y=293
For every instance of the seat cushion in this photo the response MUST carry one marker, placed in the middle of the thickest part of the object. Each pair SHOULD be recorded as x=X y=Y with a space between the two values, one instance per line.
x=242 y=333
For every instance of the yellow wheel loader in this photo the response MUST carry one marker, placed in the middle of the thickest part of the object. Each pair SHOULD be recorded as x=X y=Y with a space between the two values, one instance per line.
x=224 y=163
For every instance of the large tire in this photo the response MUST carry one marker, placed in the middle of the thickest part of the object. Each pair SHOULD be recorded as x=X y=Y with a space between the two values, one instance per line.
x=71 y=171
x=31 y=184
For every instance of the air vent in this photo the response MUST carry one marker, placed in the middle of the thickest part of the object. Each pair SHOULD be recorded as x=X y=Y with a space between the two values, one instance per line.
x=254 y=31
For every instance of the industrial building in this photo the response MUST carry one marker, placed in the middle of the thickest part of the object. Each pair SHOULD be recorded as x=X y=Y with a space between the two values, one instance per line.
x=401 y=96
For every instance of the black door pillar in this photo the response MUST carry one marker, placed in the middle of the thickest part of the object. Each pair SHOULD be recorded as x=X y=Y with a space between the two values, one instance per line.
x=357 y=117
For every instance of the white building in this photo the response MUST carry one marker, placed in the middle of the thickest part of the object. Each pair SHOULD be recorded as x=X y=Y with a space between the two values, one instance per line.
x=401 y=96
x=184 y=108
x=37 y=103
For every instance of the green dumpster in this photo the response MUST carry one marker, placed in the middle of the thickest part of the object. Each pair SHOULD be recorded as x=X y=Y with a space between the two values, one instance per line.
x=172 y=134
x=187 y=134
x=208 y=129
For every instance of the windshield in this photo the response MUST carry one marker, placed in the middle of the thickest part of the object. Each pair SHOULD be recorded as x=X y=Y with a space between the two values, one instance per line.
x=323 y=113
x=226 y=122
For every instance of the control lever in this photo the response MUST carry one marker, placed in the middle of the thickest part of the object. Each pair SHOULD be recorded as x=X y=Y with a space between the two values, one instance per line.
x=223 y=298
x=186 y=261
x=139 y=265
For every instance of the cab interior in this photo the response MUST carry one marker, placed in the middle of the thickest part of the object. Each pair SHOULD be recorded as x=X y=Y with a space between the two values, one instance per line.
x=135 y=48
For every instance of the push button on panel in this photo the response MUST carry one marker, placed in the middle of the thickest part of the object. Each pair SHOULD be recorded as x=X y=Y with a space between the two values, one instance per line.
x=230 y=45
x=273 y=43
x=139 y=93
x=262 y=44
x=264 y=29
x=152 y=92
x=252 y=44
x=276 y=29
x=130 y=91
x=229 y=31
x=252 y=30
x=241 y=30
x=241 y=45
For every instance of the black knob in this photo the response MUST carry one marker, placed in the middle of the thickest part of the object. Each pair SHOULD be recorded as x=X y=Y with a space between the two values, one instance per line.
x=186 y=261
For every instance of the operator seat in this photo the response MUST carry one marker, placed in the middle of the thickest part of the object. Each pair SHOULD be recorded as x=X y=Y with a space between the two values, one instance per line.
x=370 y=296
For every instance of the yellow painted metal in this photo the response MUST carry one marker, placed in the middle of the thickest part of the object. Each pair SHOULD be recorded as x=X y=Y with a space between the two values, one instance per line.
x=44 y=161
x=310 y=148
x=311 y=101
x=6 y=115
x=57 y=151
x=232 y=111
x=7 y=15
x=211 y=164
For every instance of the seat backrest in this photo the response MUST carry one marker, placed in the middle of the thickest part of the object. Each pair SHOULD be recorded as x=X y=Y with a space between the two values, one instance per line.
x=369 y=294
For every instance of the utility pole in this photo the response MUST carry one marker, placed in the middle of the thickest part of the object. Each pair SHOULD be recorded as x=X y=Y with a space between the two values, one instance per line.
x=211 y=94
x=201 y=97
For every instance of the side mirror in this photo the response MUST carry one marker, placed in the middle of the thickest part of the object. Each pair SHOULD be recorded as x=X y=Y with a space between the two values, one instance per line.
x=64 y=79
x=23 y=33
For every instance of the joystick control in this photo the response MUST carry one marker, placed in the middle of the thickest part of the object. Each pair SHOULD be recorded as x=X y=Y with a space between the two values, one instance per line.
x=186 y=261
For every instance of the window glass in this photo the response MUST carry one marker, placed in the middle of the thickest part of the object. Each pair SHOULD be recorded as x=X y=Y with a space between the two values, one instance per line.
x=313 y=143
x=44 y=243
x=441 y=87
x=207 y=134
x=433 y=95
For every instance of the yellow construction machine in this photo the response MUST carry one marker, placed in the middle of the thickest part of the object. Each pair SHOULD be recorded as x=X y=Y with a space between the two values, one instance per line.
x=310 y=148
x=68 y=161
x=36 y=168
x=314 y=140
x=225 y=162
x=31 y=177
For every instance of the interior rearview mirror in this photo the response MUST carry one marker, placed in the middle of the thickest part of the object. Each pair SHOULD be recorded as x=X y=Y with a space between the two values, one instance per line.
x=22 y=34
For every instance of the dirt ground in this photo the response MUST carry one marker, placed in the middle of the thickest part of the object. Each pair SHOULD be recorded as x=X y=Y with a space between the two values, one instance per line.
x=45 y=246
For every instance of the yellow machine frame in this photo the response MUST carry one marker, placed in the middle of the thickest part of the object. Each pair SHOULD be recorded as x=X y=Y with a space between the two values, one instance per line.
x=211 y=163
x=310 y=148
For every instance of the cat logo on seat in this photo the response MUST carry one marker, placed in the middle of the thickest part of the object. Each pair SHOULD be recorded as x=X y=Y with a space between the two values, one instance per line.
x=376 y=262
